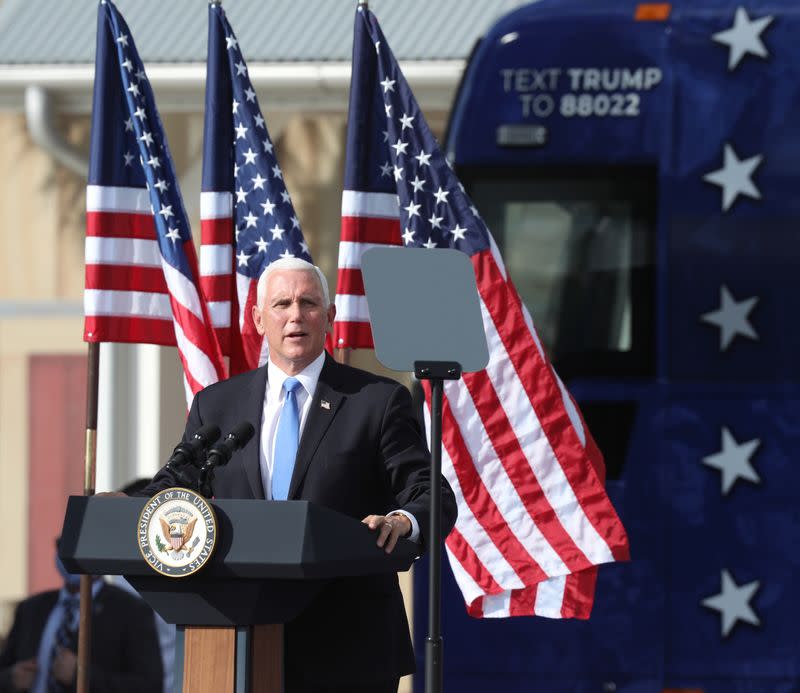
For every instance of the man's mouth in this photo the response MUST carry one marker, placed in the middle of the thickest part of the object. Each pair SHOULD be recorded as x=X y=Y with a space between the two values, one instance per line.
x=296 y=335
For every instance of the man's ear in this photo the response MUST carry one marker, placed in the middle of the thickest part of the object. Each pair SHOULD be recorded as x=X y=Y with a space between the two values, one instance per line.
x=331 y=315
x=257 y=319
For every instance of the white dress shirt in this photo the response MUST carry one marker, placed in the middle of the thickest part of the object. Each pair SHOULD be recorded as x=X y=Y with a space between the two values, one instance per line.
x=271 y=414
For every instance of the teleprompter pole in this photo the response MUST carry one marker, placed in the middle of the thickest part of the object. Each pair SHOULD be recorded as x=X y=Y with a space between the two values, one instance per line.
x=436 y=372
x=412 y=332
x=89 y=476
x=433 y=643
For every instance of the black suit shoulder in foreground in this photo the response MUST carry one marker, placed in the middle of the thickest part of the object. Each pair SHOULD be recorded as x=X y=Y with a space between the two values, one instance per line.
x=361 y=453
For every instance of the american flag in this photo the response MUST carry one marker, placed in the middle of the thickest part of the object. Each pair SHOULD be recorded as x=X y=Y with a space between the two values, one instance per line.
x=247 y=217
x=141 y=266
x=534 y=520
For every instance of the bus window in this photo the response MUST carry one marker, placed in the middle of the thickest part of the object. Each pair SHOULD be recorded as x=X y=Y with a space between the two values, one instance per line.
x=579 y=245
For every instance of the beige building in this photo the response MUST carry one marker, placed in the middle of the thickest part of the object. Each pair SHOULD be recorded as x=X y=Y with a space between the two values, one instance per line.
x=299 y=60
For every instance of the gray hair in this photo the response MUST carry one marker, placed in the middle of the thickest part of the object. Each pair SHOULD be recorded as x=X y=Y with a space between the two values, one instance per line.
x=296 y=264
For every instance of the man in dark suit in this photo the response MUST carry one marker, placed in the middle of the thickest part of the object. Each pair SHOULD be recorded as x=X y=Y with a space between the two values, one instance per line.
x=339 y=437
x=39 y=654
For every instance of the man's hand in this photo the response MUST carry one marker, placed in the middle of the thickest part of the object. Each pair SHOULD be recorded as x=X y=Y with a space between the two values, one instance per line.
x=65 y=666
x=112 y=494
x=23 y=673
x=391 y=528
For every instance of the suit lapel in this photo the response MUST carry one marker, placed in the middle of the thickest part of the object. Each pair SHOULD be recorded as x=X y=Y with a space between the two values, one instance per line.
x=253 y=411
x=323 y=408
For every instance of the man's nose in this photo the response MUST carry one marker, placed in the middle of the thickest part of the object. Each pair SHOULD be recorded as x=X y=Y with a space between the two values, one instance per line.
x=295 y=312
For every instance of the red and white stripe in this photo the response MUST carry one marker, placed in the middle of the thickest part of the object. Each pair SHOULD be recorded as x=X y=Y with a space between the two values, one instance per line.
x=230 y=295
x=534 y=520
x=133 y=295
x=216 y=261
x=368 y=220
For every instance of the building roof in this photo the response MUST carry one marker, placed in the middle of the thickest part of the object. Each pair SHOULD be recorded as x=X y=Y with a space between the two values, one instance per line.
x=174 y=31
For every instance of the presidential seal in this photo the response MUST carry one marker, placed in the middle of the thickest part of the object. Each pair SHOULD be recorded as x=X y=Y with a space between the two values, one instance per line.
x=177 y=532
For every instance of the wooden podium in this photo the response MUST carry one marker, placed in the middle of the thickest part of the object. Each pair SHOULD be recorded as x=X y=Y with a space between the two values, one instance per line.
x=272 y=559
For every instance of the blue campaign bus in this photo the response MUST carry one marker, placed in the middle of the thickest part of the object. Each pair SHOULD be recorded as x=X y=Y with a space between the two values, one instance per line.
x=639 y=166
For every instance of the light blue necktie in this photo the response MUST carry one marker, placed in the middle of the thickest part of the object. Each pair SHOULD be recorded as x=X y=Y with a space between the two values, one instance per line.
x=286 y=441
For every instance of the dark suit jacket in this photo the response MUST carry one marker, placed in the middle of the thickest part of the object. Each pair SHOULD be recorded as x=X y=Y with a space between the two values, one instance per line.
x=125 y=652
x=363 y=454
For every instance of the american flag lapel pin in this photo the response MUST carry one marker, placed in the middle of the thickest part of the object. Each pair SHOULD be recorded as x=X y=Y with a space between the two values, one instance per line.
x=325 y=404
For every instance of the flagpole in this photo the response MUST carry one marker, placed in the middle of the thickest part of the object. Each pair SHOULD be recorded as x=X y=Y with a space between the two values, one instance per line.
x=89 y=477
x=344 y=353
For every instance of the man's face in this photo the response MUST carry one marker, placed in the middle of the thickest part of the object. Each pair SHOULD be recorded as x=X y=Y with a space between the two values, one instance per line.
x=294 y=319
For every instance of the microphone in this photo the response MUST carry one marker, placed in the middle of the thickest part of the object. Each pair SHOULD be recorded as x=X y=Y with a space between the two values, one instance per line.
x=220 y=454
x=185 y=453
